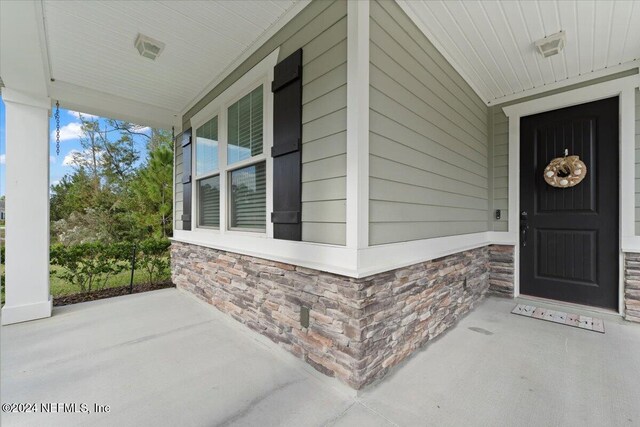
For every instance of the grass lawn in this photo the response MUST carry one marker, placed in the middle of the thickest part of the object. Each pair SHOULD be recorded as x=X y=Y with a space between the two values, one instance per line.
x=59 y=287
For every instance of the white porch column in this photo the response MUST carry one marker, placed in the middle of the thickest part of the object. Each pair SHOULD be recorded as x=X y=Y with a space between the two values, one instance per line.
x=27 y=208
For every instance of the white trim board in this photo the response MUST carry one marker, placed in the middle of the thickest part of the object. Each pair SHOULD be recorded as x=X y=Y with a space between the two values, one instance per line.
x=625 y=89
x=567 y=82
x=103 y=104
x=350 y=262
x=357 y=226
x=331 y=258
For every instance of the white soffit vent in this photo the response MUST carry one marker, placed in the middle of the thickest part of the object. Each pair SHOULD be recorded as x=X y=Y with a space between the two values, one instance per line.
x=552 y=44
x=148 y=47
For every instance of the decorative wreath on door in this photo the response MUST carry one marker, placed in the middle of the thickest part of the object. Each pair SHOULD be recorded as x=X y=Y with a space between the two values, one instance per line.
x=565 y=172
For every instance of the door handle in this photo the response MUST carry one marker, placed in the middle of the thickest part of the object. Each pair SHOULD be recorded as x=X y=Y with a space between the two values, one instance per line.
x=524 y=227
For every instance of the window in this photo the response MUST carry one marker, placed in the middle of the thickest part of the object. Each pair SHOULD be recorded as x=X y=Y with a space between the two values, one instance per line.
x=248 y=197
x=207 y=147
x=245 y=127
x=236 y=187
x=209 y=202
x=208 y=185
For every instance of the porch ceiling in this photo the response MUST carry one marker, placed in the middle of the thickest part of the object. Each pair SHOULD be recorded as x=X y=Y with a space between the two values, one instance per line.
x=491 y=43
x=87 y=48
x=91 y=44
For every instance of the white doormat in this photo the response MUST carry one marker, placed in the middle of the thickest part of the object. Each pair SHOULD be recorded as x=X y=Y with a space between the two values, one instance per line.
x=594 y=324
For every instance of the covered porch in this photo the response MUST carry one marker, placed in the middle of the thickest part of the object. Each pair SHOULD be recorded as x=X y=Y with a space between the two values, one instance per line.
x=165 y=358
x=376 y=202
x=479 y=62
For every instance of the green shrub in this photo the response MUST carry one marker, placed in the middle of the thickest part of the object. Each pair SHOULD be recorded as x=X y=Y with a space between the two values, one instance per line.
x=88 y=266
x=153 y=257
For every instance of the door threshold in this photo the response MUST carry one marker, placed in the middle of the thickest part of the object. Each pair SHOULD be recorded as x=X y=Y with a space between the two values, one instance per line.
x=565 y=305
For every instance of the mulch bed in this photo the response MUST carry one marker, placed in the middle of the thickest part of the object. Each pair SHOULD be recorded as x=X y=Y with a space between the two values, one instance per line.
x=108 y=293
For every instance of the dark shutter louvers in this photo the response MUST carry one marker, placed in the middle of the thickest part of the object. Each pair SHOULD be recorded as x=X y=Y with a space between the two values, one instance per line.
x=185 y=139
x=287 y=148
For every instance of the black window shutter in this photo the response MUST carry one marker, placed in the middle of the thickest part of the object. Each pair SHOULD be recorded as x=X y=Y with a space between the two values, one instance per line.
x=287 y=148
x=185 y=139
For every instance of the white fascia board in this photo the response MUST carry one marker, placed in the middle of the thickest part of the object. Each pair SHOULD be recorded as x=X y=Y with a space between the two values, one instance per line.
x=350 y=262
x=573 y=97
x=381 y=258
x=331 y=258
x=104 y=104
x=567 y=82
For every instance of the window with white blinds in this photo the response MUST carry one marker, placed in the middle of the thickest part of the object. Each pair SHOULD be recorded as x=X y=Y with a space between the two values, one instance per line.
x=244 y=120
x=209 y=202
x=248 y=197
x=207 y=147
x=231 y=193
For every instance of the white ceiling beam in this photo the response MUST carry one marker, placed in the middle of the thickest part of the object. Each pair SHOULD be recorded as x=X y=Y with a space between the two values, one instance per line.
x=104 y=104
x=22 y=64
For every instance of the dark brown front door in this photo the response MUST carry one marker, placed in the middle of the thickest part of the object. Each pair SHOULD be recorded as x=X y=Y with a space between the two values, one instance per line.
x=569 y=236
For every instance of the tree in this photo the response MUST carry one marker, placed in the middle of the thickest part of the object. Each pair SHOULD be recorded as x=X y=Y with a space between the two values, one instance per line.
x=110 y=195
x=153 y=193
x=73 y=193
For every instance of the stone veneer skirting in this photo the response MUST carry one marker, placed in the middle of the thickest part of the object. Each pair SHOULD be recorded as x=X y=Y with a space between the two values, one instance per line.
x=359 y=328
x=632 y=286
x=501 y=267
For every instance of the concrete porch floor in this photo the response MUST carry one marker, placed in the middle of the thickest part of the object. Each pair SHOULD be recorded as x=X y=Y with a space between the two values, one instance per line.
x=163 y=358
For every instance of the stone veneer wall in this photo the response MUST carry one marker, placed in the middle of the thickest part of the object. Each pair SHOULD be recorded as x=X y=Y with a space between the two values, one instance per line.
x=501 y=267
x=632 y=286
x=359 y=328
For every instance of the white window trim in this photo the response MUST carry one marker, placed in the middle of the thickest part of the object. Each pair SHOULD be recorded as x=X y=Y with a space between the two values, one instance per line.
x=261 y=74
x=625 y=89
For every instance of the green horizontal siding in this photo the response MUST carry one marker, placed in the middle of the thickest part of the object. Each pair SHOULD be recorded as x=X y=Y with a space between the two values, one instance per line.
x=320 y=30
x=428 y=143
x=500 y=168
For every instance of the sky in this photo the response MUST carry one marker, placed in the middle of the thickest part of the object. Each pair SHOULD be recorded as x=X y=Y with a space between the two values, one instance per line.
x=70 y=133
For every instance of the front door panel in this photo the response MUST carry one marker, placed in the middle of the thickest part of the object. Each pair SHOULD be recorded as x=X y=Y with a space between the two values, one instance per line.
x=569 y=236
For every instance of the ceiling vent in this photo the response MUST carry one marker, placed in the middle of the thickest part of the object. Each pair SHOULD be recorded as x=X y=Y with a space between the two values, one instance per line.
x=148 y=47
x=552 y=44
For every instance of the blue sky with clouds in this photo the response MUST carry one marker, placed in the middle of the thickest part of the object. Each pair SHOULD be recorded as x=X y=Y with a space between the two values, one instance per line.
x=70 y=133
